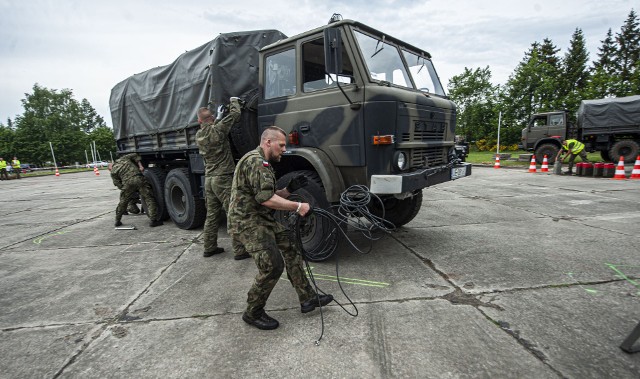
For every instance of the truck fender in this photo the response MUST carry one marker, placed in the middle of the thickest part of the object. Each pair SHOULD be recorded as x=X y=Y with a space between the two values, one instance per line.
x=326 y=169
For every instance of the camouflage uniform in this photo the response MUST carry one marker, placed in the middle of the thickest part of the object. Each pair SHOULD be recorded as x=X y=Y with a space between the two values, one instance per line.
x=213 y=143
x=267 y=241
x=126 y=175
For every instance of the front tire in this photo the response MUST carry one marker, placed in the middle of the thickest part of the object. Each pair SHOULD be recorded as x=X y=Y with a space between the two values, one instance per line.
x=319 y=236
x=548 y=149
x=398 y=212
x=186 y=211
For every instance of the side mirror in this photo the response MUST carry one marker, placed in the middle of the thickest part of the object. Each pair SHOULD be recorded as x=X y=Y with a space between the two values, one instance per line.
x=333 y=51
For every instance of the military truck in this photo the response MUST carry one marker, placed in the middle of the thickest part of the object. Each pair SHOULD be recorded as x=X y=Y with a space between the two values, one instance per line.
x=359 y=107
x=610 y=126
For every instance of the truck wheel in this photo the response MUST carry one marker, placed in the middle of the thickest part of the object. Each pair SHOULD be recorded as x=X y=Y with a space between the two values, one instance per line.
x=548 y=149
x=156 y=177
x=627 y=148
x=319 y=235
x=186 y=211
x=399 y=212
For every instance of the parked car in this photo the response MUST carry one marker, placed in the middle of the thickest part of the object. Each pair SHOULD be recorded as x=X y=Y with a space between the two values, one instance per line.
x=27 y=167
x=98 y=164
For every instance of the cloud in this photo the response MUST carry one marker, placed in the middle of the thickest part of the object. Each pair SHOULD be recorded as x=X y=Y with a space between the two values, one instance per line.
x=89 y=47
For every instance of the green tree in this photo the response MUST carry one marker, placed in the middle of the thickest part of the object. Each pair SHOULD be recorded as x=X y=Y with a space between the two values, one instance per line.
x=6 y=141
x=475 y=97
x=603 y=73
x=105 y=142
x=627 y=62
x=91 y=119
x=575 y=74
x=50 y=116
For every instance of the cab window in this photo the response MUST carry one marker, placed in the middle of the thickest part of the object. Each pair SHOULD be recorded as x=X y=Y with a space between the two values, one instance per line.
x=314 y=76
x=280 y=74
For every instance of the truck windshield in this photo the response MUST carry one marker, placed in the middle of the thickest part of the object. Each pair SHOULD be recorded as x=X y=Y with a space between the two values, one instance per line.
x=385 y=64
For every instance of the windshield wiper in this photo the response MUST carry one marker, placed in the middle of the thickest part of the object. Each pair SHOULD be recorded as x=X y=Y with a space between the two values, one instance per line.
x=381 y=47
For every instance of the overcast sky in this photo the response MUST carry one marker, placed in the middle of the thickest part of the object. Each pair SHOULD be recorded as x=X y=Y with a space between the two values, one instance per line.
x=88 y=46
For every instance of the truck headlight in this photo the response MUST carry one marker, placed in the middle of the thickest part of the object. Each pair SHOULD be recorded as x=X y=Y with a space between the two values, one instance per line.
x=400 y=160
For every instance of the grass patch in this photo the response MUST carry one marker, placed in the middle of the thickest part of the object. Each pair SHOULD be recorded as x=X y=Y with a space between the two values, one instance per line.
x=488 y=158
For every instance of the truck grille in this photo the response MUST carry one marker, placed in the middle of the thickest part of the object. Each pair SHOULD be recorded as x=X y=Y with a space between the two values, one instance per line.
x=427 y=157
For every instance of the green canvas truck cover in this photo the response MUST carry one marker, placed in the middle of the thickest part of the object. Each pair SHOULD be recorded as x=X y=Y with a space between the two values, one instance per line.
x=167 y=98
x=610 y=112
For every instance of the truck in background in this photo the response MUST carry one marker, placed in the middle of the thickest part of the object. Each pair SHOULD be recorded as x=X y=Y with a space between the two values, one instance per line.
x=610 y=126
x=360 y=108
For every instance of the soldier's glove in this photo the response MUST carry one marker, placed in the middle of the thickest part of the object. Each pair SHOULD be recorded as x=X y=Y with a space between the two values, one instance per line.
x=300 y=181
x=239 y=100
x=220 y=113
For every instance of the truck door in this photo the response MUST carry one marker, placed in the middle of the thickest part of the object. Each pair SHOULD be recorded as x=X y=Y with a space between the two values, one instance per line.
x=299 y=96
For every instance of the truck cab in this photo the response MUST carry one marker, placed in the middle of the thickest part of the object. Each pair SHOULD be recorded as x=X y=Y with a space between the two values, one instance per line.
x=544 y=134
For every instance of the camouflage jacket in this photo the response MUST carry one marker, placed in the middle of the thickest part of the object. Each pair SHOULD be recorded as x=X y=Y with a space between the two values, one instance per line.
x=125 y=168
x=213 y=143
x=254 y=182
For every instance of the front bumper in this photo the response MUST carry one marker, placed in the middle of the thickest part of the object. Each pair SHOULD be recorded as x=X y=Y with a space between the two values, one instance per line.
x=409 y=182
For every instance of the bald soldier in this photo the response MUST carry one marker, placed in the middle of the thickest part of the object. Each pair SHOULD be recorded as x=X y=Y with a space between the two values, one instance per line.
x=254 y=197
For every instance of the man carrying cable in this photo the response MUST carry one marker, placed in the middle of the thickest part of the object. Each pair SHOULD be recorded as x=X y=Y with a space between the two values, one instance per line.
x=253 y=199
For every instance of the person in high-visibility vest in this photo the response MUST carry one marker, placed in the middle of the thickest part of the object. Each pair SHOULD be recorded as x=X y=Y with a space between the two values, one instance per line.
x=16 y=167
x=571 y=148
x=3 y=169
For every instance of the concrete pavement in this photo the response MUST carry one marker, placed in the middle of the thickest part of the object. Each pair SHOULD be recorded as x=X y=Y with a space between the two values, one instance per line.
x=505 y=274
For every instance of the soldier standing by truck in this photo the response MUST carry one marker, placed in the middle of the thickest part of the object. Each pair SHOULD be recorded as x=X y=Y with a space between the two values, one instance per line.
x=213 y=144
x=572 y=148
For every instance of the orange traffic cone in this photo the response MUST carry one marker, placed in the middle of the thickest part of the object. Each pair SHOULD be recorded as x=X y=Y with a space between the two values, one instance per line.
x=635 y=174
x=532 y=166
x=545 y=165
x=497 y=164
x=620 y=170
x=57 y=172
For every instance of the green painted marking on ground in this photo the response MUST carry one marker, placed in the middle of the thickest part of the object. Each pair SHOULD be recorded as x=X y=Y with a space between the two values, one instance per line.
x=42 y=238
x=621 y=274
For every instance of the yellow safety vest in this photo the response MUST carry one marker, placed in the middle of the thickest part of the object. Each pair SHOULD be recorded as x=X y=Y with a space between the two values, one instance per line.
x=3 y=165
x=16 y=163
x=577 y=146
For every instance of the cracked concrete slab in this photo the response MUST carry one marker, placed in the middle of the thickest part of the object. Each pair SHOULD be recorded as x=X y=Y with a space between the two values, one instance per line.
x=497 y=276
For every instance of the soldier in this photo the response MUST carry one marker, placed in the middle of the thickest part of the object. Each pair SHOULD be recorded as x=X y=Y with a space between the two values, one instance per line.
x=571 y=148
x=126 y=174
x=213 y=143
x=253 y=199
x=3 y=170
x=132 y=205
x=16 y=167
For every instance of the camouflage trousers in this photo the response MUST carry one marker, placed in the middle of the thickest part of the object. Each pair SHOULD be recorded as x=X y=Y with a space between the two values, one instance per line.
x=273 y=252
x=137 y=184
x=217 y=191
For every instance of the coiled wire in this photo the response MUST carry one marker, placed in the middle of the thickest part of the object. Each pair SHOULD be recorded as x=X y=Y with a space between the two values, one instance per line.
x=352 y=213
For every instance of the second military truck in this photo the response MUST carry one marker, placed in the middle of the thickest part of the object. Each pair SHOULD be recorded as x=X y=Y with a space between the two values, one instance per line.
x=610 y=126
x=359 y=107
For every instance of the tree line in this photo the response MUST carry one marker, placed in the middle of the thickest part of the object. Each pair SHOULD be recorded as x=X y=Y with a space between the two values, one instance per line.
x=56 y=117
x=545 y=81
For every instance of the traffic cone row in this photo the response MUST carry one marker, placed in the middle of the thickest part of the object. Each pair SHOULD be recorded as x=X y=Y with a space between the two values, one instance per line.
x=532 y=166
x=620 y=170
x=635 y=174
x=545 y=165
x=497 y=164
x=96 y=171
